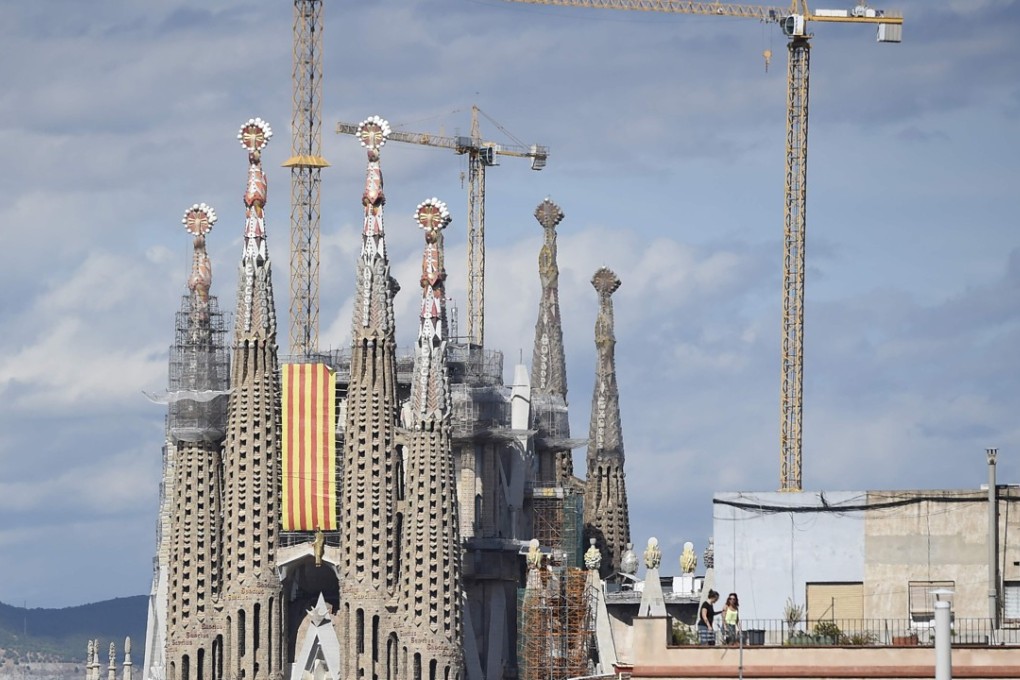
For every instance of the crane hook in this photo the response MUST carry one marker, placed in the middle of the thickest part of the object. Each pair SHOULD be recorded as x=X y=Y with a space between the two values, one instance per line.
x=768 y=58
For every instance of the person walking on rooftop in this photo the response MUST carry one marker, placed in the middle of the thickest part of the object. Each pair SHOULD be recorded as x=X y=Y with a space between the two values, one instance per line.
x=706 y=633
x=731 y=619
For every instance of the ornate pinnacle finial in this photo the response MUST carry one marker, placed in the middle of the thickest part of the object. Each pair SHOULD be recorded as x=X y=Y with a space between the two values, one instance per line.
x=688 y=560
x=375 y=287
x=629 y=561
x=605 y=282
x=373 y=133
x=432 y=216
x=430 y=393
x=198 y=220
x=549 y=364
x=255 y=135
x=255 y=306
x=653 y=556
x=605 y=437
x=548 y=214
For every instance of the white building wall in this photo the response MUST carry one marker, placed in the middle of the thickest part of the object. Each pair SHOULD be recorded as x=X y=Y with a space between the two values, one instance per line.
x=767 y=555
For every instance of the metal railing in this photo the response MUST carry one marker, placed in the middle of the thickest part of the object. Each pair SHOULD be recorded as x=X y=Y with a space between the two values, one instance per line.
x=853 y=633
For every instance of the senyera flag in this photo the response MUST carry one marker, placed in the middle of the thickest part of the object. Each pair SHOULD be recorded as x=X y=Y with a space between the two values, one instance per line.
x=309 y=447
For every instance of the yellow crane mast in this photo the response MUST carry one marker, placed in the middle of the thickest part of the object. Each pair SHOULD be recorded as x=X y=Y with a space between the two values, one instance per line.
x=481 y=154
x=794 y=21
x=305 y=164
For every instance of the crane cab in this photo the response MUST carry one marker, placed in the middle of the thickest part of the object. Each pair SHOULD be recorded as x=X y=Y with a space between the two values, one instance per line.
x=793 y=25
x=538 y=155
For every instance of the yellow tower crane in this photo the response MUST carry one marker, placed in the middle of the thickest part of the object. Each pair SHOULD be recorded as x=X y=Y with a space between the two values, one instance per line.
x=481 y=154
x=794 y=21
x=305 y=164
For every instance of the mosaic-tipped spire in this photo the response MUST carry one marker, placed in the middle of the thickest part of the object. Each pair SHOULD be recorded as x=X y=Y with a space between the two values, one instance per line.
x=256 y=313
x=251 y=450
x=549 y=365
x=375 y=288
x=198 y=221
x=430 y=395
x=606 y=517
x=429 y=589
x=371 y=458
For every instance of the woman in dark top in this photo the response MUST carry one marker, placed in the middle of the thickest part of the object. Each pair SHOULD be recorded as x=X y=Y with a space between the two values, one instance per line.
x=706 y=634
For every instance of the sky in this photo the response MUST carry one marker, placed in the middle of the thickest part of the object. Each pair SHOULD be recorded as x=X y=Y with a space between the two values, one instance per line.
x=666 y=135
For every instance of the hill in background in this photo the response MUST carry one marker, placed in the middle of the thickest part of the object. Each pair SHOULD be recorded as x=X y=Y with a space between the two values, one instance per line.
x=46 y=636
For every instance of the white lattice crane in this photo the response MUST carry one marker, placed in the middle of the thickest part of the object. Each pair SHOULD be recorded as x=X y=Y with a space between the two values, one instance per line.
x=794 y=21
x=481 y=154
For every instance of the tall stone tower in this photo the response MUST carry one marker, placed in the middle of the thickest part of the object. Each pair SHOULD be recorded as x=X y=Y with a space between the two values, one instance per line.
x=605 y=496
x=369 y=523
x=429 y=593
x=198 y=382
x=252 y=615
x=549 y=366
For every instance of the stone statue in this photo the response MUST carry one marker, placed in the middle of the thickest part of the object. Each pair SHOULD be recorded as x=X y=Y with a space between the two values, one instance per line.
x=688 y=560
x=710 y=554
x=593 y=557
x=318 y=545
x=628 y=561
x=653 y=556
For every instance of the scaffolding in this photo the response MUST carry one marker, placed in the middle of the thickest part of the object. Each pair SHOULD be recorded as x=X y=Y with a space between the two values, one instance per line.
x=559 y=522
x=199 y=373
x=551 y=420
x=556 y=625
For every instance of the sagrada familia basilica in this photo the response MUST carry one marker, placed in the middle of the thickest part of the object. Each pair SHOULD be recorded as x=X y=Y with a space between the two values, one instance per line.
x=362 y=515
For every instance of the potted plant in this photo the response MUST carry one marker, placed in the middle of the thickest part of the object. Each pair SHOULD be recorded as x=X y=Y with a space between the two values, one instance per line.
x=828 y=633
x=793 y=613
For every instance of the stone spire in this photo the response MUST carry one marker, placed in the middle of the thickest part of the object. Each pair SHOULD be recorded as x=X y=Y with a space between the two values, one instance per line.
x=430 y=391
x=199 y=374
x=368 y=543
x=256 y=314
x=251 y=589
x=199 y=220
x=429 y=595
x=605 y=497
x=548 y=365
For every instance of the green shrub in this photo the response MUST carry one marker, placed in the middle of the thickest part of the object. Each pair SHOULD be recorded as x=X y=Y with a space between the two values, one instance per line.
x=684 y=634
x=860 y=639
x=828 y=632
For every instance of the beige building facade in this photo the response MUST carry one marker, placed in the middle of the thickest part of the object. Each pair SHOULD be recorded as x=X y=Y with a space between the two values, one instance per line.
x=872 y=554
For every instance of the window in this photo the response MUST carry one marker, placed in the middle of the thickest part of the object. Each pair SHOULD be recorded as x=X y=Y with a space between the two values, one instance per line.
x=1011 y=601
x=921 y=598
x=835 y=601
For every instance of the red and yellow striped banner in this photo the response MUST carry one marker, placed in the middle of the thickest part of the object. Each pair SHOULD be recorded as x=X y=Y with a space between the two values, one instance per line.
x=309 y=447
